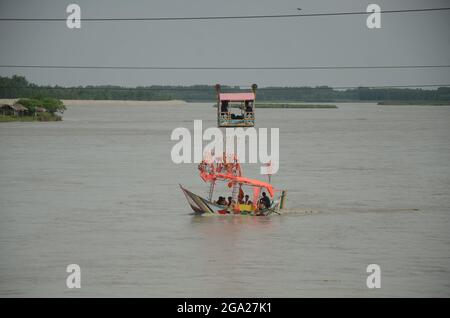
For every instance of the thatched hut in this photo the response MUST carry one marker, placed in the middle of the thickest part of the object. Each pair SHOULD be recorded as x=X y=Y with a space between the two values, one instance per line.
x=13 y=110
x=6 y=110
x=19 y=110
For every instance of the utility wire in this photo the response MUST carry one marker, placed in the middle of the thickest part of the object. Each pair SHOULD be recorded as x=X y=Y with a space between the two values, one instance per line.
x=269 y=16
x=225 y=67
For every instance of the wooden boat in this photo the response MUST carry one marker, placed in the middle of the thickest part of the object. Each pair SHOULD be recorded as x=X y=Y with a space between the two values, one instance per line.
x=245 y=102
x=229 y=171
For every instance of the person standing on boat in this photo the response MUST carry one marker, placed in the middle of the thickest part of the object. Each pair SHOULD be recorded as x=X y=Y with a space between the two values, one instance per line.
x=248 y=106
x=265 y=201
x=224 y=106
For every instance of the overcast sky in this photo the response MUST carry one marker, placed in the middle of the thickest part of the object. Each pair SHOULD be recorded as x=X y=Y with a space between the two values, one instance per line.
x=405 y=38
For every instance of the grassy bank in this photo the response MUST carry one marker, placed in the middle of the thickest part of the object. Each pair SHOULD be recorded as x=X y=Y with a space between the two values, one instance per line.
x=415 y=103
x=38 y=117
x=293 y=105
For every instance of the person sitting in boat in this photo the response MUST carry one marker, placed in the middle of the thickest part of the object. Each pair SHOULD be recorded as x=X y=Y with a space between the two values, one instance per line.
x=265 y=201
x=248 y=106
x=221 y=201
x=230 y=201
x=224 y=106
x=247 y=199
x=234 y=116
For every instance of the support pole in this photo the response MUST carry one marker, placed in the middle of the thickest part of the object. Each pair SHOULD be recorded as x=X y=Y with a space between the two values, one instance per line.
x=211 y=190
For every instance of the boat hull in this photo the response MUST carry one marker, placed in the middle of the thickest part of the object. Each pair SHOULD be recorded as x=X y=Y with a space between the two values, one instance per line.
x=202 y=206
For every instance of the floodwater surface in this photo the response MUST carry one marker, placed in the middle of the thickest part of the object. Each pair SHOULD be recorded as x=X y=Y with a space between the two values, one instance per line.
x=366 y=184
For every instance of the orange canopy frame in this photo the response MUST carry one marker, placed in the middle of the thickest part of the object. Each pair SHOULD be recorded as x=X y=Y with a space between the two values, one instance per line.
x=209 y=177
x=229 y=169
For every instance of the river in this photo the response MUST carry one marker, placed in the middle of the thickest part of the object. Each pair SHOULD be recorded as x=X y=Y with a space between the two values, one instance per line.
x=366 y=184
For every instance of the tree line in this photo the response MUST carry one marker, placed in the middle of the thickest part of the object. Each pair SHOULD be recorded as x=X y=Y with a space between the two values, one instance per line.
x=19 y=87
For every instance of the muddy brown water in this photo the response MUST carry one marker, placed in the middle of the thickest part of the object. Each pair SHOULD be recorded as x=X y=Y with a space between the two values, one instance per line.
x=366 y=184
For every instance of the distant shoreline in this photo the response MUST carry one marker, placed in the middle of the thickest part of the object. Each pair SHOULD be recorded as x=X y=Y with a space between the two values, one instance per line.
x=261 y=104
x=109 y=102
x=414 y=103
x=294 y=105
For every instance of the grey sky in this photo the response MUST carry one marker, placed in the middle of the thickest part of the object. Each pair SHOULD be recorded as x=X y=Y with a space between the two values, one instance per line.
x=405 y=38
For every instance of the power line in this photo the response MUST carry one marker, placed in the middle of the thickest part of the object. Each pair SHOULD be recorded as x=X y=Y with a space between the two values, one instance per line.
x=226 y=67
x=268 y=16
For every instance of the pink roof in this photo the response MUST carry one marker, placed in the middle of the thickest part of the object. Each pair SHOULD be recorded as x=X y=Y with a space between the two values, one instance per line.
x=236 y=97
